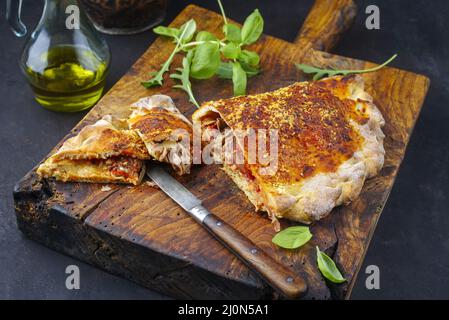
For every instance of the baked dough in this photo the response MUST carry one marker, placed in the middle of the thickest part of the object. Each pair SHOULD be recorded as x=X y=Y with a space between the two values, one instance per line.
x=108 y=137
x=104 y=152
x=330 y=141
x=166 y=133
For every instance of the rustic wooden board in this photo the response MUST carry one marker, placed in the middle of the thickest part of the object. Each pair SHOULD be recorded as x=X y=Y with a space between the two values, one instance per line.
x=141 y=234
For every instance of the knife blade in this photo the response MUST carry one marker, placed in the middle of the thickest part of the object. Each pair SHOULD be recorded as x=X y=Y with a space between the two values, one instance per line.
x=275 y=274
x=173 y=188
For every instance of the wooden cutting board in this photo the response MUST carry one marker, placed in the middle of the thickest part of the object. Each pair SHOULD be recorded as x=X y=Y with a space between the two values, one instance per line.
x=141 y=234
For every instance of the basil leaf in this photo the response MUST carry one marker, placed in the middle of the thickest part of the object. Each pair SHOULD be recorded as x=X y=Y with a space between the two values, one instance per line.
x=249 y=57
x=187 y=31
x=328 y=267
x=166 y=31
x=205 y=61
x=231 y=51
x=293 y=237
x=232 y=33
x=238 y=79
x=250 y=70
x=252 y=28
x=205 y=36
x=224 y=71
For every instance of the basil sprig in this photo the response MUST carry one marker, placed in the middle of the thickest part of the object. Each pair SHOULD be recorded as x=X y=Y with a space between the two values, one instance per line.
x=328 y=268
x=292 y=237
x=207 y=56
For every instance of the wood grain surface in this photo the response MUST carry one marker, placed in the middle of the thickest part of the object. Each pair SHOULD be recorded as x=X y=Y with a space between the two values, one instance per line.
x=141 y=234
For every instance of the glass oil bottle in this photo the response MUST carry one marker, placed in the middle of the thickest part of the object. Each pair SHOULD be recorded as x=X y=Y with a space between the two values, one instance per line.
x=64 y=60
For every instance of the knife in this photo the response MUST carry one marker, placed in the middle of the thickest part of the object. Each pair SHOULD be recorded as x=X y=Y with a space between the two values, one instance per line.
x=279 y=277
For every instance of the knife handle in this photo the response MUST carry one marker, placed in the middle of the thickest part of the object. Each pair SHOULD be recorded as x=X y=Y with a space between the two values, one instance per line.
x=282 y=279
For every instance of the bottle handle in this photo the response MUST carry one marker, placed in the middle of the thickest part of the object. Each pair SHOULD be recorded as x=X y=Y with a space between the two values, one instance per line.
x=13 y=9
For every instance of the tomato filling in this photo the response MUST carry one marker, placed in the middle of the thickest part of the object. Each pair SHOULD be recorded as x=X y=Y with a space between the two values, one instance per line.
x=124 y=167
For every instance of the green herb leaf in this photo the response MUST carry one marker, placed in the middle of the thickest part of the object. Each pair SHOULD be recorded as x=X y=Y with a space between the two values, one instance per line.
x=205 y=61
x=249 y=57
x=232 y=33
x=250 y=70
x=328 y=267
x=292 y=237
x=158 y=77
x=238 y=79
x=320 y=73
x=252 y=28
x=203 y=56
x=225 y=70
x=155 y=81
x=205 y=36
x=167 y=31
x=183 y=76
x=231 y=51
x=187 y=31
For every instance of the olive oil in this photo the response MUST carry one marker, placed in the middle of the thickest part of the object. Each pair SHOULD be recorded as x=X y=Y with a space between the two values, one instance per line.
x=66 y=78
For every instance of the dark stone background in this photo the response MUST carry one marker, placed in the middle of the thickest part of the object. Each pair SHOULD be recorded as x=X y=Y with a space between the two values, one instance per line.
x=411 y=243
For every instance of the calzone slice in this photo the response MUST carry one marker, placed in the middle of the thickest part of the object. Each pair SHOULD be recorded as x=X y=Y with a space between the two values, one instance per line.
x=104 y=152
x=166 y=133
x=329 y=141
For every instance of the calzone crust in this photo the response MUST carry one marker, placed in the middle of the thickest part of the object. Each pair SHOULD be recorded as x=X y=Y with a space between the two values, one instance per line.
x=108 y=137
